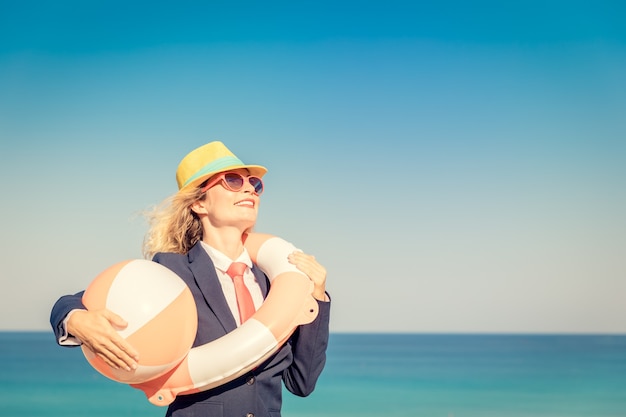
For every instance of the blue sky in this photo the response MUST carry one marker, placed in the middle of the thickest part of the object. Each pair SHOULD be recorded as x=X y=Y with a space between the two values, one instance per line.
x=456 y=166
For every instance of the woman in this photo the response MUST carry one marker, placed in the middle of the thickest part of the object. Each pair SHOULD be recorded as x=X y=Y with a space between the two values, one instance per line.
x=198 y=233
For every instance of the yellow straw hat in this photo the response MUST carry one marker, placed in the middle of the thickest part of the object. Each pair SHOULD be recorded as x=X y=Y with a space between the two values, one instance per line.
x=208 y=160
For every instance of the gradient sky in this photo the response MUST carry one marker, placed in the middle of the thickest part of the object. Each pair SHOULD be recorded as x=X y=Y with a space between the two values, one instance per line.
x=457 y=167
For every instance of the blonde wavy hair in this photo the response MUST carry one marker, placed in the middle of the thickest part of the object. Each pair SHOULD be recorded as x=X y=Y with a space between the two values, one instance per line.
x=173 y=226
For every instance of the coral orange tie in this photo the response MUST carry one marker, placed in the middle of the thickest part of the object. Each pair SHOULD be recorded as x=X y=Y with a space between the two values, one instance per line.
x=244 y=299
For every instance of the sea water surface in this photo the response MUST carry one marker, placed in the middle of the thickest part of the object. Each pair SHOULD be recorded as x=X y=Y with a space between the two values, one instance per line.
x=366 y=375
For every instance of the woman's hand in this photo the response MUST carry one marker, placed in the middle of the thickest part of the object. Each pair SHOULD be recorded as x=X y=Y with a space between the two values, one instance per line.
x=97 y=330
x=316 y=272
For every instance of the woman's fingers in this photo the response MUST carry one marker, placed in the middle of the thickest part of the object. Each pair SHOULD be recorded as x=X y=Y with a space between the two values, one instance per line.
x=97 y=330
x=313 y=269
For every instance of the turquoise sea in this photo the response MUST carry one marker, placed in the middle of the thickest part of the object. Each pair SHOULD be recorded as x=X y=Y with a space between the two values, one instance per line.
x=366 y=375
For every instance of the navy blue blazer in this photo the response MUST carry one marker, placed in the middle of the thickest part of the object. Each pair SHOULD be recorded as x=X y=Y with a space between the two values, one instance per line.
x=298 y=364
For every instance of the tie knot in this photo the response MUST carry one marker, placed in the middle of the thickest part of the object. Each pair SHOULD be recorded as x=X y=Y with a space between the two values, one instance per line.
x=236 y=269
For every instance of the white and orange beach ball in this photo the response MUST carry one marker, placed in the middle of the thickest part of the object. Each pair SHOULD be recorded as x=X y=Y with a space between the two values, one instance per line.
x=159 y=309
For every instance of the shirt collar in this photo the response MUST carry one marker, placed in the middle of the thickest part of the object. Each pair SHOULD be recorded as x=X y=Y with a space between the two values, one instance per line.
x=221 y=261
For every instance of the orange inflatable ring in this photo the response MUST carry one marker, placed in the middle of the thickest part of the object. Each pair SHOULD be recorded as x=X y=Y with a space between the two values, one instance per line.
x=288 y=305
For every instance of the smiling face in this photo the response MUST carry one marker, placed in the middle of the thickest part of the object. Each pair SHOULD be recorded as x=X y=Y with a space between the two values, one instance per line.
x=223 y=207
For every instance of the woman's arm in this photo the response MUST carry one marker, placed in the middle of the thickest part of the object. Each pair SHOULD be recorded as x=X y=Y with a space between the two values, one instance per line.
x=308 y=345
x=310 y=341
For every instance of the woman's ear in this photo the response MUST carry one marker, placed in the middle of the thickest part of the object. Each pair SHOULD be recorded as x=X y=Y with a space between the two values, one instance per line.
x=198 y=207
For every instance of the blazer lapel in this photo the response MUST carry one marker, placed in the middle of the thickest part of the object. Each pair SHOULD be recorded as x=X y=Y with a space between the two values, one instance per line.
x=206 y=279
x=261 y=279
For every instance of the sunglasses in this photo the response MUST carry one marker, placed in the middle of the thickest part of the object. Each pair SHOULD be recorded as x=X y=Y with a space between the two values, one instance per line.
x=234 y=182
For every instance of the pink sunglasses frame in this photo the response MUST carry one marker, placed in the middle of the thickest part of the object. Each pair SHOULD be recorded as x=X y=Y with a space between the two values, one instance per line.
x=221 y=177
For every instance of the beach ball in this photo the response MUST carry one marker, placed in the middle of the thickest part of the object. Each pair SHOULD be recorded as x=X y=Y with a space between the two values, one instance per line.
x=160 y=311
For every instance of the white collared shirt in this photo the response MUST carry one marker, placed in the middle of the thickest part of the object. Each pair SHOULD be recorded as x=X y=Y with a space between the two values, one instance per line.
x=222 y=263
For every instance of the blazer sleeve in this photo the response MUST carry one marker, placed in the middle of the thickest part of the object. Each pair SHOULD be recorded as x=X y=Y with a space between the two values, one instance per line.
x=60 y=310
x=308 y=345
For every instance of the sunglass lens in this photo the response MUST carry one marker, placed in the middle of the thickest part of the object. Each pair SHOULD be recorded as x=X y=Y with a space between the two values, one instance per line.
x=257 y=184
x=234 y=181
